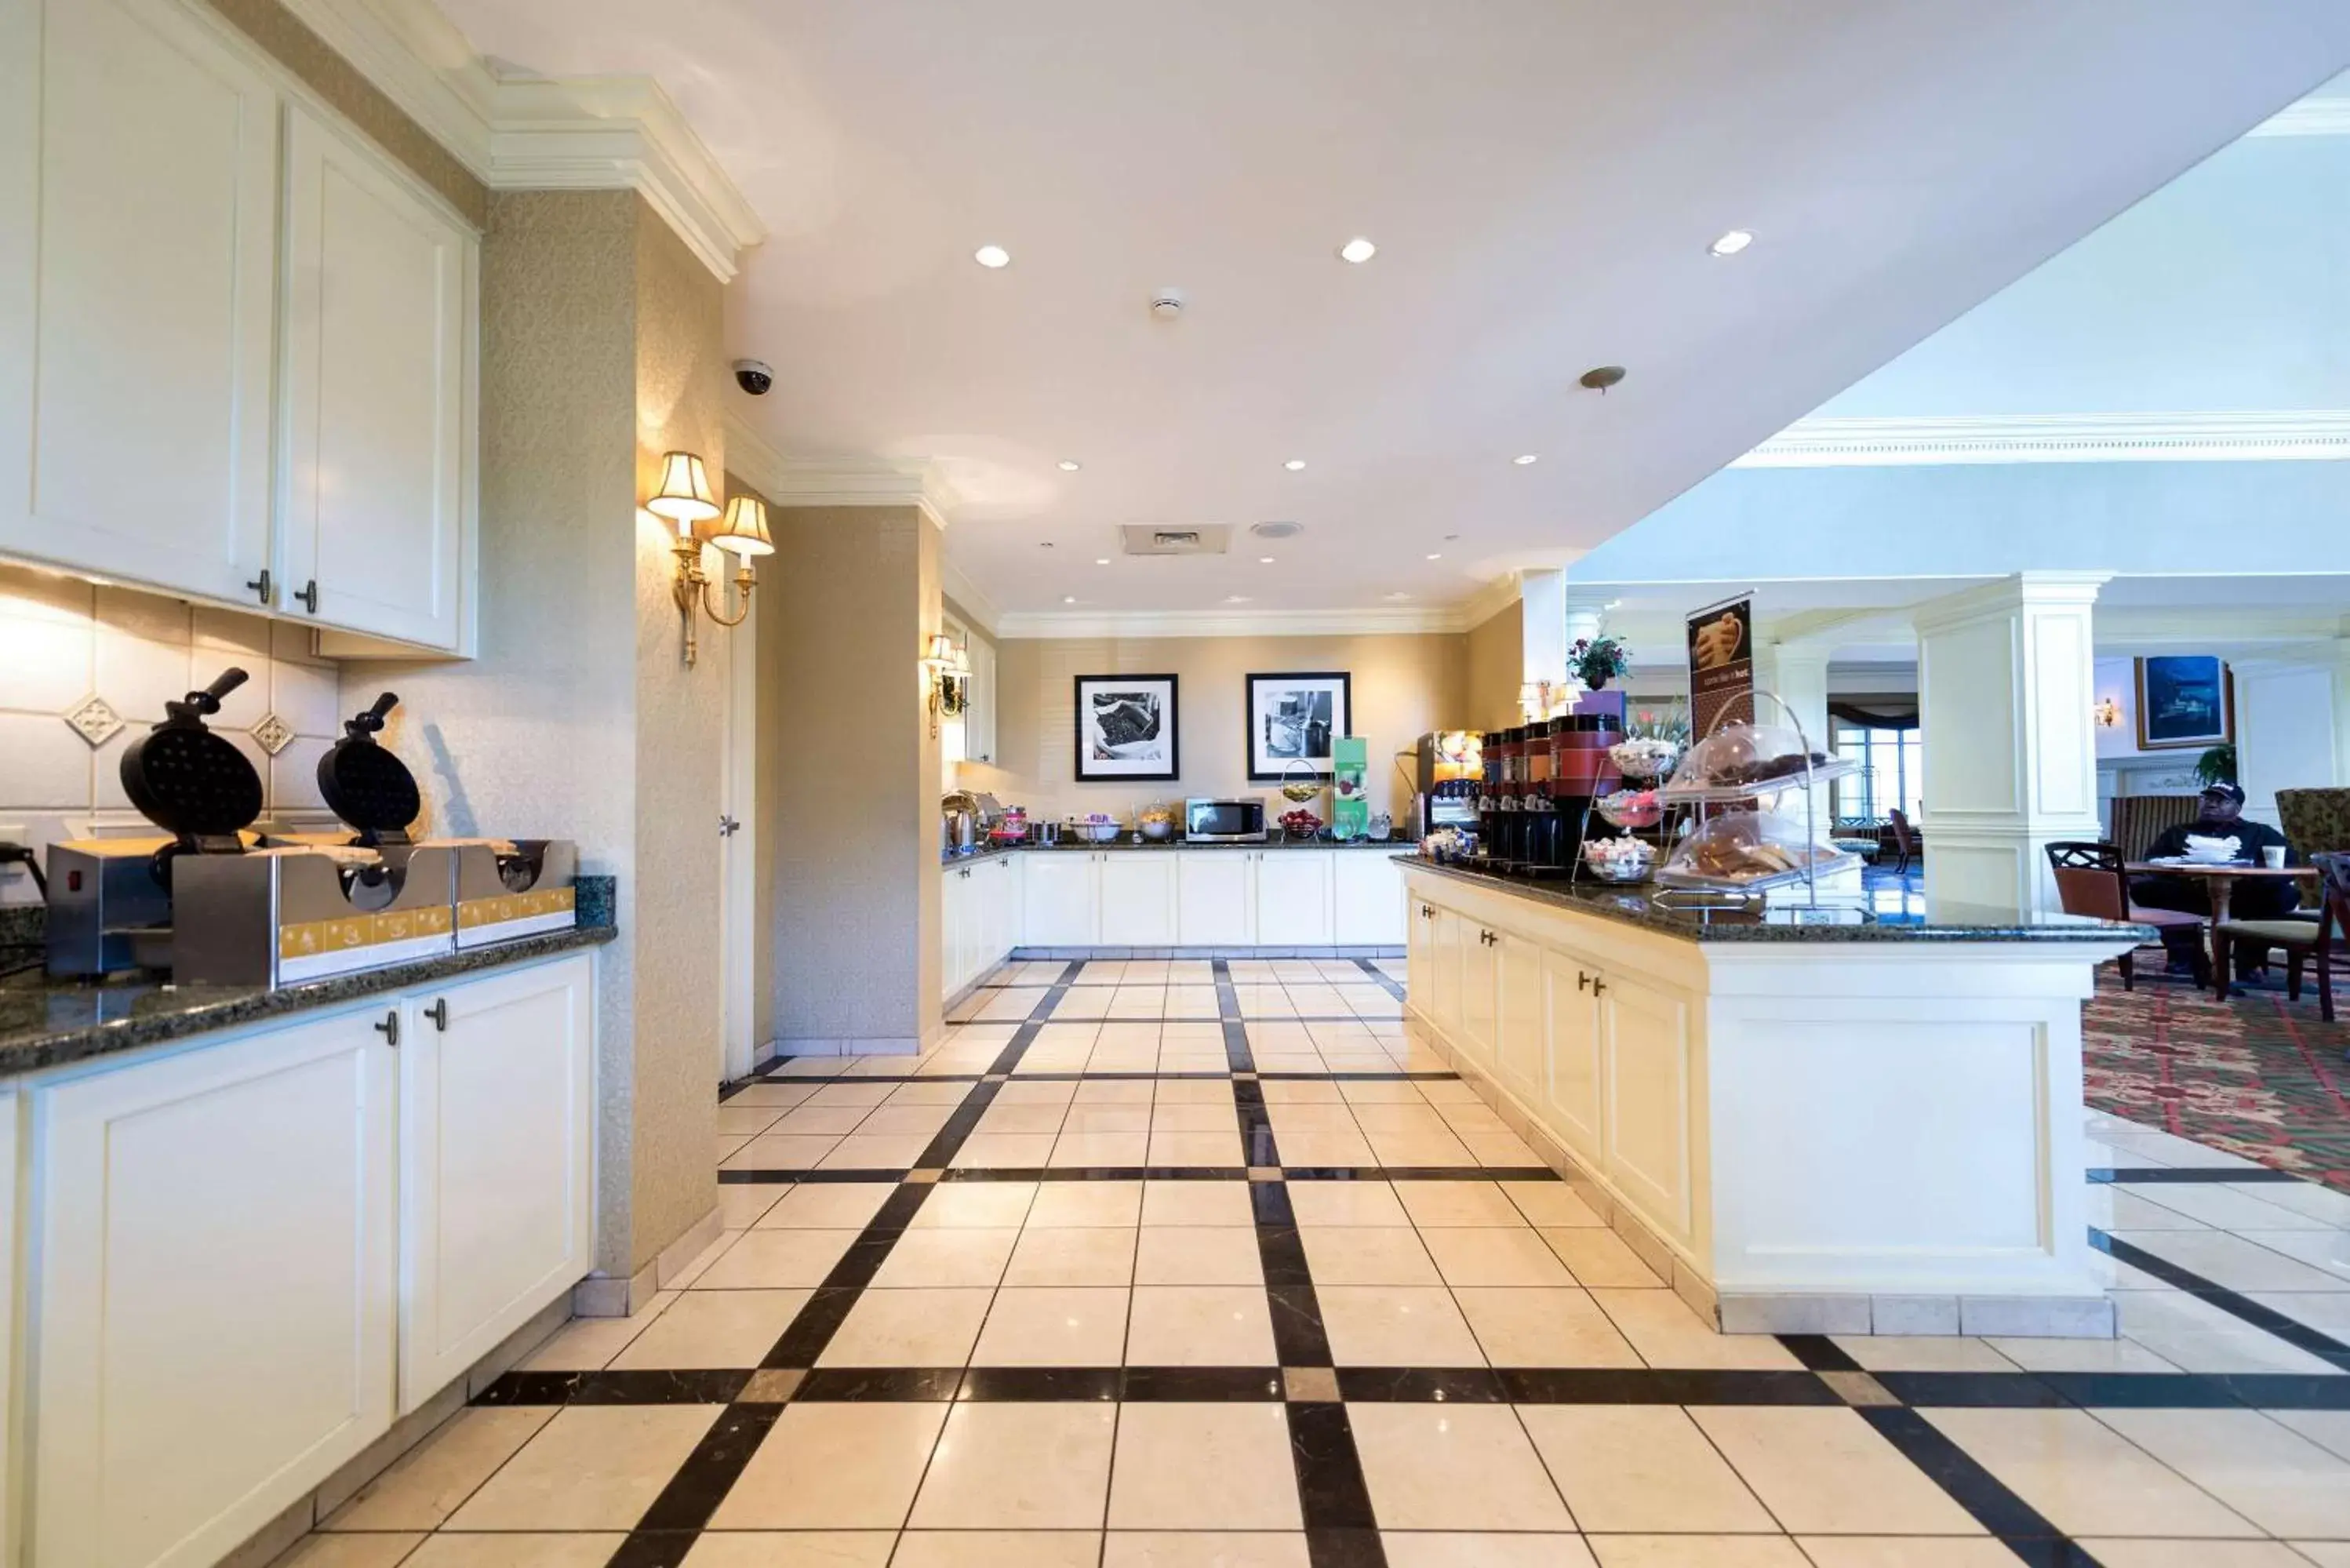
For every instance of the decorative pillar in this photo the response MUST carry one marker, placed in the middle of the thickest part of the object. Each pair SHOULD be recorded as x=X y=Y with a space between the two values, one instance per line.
x=1797 y=674
x=2005 y=685
x=2288 y=726
x=1542 y=625
x=2341 y=709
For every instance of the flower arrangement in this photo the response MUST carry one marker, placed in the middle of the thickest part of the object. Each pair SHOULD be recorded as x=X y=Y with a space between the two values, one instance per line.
x=1596 y=660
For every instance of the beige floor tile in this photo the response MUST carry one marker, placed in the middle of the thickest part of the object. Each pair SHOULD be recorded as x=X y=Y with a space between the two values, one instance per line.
x=906 y=1121
x=1323 y=1203
x=1196 y=1203
x=1454 y=1467
x=1381 y=1092
x=909 y=1328
x=1449 y=1203
x=1697 y=1552
x=1908 y=1552
x=1086 y=1203
x=1827 y=1471
x=1106 y=1092
x=997 y=1549
x=741 y=1204
x=714 y=1329
x=864 y=1151
x=1666 y=1333
x=782 y=1096
x=807 y=1068
x=1311 y=1116
x=348 y=1551
x=1491 y=1256
x=1129 y=1118
x=2085 y=1477
x=792 y=1549
x=947 y=1095
x=515 y=1551
x=1073 y=1255
x=2233 y=1261
x=1502 y=1150
x=1396 y=1325
x=1203 y=1467
x=746 y=1121
x=1544 y=1327
x=1199 y=1325
x=1436 y=1148
x=2196 y=1336
x=1636 y=1469
x=946 y=1257
x=826 y=1466
x=589 y=1343
x=779 y=1151
x=593 y=1467
x=1414 y=1116
x=776 y=1260
x=429 y=1482
x=865 y=1095
x=828 y=1206
x=974 y=1205
x=1194 y=1091
x=1020 y=1466
x=699 y=1264
x=1203 y=1548
x=1079 y=1151
x=1054 y=1325
x=1902 y=1353
x=1004 y=1151
x=1197 y=1254
x=1468 y=1549
x=1182 y=1118
x=1291 y=1091
x=814 y=1120
x=1598 y=1257
x=2271 y=1475
x=1196 y=1149
x=1366 y=1255
x=2118 y=1553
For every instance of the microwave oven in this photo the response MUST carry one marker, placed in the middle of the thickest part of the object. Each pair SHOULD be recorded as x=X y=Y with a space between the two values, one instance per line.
x=1239 y=820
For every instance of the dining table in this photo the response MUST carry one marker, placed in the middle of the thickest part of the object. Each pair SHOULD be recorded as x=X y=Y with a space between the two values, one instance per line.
x=2219 y=877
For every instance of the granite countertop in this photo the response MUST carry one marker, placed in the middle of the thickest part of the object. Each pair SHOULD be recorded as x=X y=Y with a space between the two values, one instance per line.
x=1392 y=845
x=1783 y=916
x=46 y=1023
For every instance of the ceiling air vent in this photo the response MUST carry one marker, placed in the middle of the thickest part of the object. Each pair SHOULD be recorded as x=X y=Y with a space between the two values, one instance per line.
x=1211 y=539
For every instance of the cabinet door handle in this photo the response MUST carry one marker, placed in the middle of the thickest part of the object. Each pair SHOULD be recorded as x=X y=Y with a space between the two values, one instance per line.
x=439 y=1014
x=309 y=597
x=389 y=1029
x=1581 y=980
x=1597 y=985
x=262 y=586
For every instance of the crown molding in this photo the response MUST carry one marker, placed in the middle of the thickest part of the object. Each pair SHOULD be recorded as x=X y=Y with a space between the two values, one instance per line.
x=1229 y=623
x=791 y=481
x=1489 y=599
x=2310 y=117
x=536 y=133
x=973 y=599
x=2274 y=436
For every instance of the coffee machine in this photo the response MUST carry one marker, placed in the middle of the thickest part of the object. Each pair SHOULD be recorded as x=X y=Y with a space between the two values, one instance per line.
x=1447 y=770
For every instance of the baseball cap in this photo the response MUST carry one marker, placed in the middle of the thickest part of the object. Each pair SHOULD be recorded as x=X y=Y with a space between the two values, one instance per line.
x=2233 y=792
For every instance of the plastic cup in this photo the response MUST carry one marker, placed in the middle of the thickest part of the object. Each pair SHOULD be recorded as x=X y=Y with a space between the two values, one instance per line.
x=2273 y=855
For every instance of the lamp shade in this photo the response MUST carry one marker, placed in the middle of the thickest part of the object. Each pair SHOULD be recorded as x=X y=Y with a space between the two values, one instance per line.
x=744 y=532
x=942 y=649
x=684 y=495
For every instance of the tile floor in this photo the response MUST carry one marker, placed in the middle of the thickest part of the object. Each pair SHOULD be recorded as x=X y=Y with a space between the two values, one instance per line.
x=1179 y=1264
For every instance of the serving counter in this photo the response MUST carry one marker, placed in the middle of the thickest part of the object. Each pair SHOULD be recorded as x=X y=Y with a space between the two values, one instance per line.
x=1854 y=1118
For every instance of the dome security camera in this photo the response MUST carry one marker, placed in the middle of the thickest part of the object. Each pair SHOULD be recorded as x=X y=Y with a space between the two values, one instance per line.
x=753 y=375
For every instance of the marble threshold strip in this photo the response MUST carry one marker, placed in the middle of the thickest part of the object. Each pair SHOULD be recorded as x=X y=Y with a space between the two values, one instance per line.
x=1340 y=1527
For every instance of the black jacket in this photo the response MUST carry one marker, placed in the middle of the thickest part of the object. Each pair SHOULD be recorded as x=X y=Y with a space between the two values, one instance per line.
x=2251 y=838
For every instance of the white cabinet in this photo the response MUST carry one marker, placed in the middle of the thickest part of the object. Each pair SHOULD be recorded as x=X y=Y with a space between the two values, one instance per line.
x=139 y=160
x=1293 y=897
x=1215 y=897
x=955 y=913
x=1478 y=1000
x=375 y=467
x=979 y=920
x=215 y=1305
x=1369 y=904
x=1521 y=1027
x=978 y=718
x=1453 y=933
x=1138 y=897
x=497 y=1151
x=1569 y=1099
x=1644 y=1030
x=1420 y=958
x=999 y=898
x=1061 y=898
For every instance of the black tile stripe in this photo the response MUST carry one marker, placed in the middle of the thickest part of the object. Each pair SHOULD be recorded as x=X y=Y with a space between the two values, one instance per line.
x=2199 y=1174
x=1818 y=1353
x=1999 y=1511
x=2300 y=1335
x=1341 y=1531
x=646 y=1388
x=1381 y=979
x=1661 y=1386
x=710 y=1472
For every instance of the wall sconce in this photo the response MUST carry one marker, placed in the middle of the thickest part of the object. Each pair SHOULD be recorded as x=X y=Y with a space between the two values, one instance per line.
x=2108 y=714
x=1540 y=700
x=946 y=671
x=685 y=498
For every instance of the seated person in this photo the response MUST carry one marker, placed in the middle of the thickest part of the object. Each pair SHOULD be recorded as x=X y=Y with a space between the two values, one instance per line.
x=2219 y=813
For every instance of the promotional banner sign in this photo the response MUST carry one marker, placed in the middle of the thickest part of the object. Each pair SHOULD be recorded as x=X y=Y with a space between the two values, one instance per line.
x=1722 y=665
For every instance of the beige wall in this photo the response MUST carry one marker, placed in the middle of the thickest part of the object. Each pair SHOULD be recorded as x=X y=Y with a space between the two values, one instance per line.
x=1496 y=669
x=848 y=816
x=1402 y=687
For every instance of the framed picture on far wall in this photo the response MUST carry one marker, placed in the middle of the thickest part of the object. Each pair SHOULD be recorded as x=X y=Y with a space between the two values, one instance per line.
x=1126 y=728
x=1293 y=719
x=2185 y=700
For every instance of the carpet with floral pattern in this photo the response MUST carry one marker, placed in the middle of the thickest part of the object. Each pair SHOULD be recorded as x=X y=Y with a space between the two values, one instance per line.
x=2257 y=1075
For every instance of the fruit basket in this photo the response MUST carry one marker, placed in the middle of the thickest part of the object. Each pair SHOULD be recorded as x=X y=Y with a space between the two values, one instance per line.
x=1300 y=824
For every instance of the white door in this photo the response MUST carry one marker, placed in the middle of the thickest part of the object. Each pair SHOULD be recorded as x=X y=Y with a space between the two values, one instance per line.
x=213 y=1324
x=1645 y=1033
x=1421 y=972
x=1138 y=897
x=138 y=271
x=1570 y=1097
x=743 y=1031
x=1444 y=991
x=1215 y=897
x=1369 y=905
x=1521 y=1025
x=374 y=452
x=1477 y=990
x=954 y=941
x=1293 y=898
x=497 y=1145
x=1060 y=905
x=1001 y=880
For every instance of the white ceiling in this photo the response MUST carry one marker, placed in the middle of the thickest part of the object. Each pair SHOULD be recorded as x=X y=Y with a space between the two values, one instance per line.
x=1542 y=177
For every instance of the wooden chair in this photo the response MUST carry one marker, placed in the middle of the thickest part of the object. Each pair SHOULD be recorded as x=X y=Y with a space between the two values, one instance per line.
x=2139 y=820
x=2304 y=944
x=2090 y=881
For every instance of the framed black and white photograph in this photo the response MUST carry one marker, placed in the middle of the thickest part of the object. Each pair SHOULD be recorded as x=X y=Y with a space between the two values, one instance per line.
x=1126 y=728
x=1293 y=719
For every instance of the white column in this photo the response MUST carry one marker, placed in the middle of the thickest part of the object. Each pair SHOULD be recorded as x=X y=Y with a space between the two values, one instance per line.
x=1797 y=675
x=2342 y=710
x=1542 y=622
x=2288 y=728
x=2005 y=684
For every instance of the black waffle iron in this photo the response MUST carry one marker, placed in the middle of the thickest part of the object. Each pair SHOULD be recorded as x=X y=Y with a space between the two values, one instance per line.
x=192 y=783
x=365 y=785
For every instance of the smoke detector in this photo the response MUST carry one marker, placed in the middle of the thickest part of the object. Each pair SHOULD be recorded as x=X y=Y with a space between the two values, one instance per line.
x=1167 y=304
x=1208 y=539
x=1277 y=530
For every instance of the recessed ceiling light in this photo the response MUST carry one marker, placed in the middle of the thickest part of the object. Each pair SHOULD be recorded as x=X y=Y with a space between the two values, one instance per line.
x=1398 y=595
x=992 y=256
x=1236 y=598
x=1524 y=458
x=1264 y=560
x=1070 y=465
x=1068 y=598
x=1294 y=464
x=1731 y=244
x=1436 y=554
x=1357 y=250
x=1101 y=560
